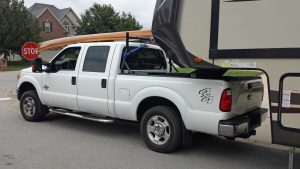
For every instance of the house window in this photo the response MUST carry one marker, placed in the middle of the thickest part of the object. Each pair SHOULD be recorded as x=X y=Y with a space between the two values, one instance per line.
x=66 y=26
x=47 y=27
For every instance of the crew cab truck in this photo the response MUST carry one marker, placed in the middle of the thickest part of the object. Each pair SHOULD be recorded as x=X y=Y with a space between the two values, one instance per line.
x=86 y=80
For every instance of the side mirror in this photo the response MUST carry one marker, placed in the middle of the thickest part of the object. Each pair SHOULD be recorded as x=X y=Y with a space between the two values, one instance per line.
x=48 y=68
x=36 y=65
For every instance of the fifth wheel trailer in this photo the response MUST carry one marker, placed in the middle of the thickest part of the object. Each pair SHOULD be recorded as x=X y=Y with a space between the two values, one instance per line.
x=240 y=33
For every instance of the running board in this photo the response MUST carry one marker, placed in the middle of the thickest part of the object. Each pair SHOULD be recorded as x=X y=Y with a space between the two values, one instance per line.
x=82 y=116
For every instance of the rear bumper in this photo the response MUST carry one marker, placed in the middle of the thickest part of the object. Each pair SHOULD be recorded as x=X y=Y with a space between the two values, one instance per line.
x=242 y=125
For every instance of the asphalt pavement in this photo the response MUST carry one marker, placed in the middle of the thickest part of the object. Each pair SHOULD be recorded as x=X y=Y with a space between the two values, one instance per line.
x=67 y=143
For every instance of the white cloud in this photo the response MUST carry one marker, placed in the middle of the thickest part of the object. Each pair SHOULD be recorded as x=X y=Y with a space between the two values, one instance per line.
x=141 y=9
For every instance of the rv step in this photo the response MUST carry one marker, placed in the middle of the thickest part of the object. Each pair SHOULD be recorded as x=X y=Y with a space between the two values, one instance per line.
x=82 y=116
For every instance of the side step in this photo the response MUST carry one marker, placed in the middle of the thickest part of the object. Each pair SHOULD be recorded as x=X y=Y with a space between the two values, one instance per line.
x=82 y=116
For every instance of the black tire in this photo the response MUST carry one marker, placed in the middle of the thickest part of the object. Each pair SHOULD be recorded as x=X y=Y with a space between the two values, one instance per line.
x=39 y=111
x=175 y=130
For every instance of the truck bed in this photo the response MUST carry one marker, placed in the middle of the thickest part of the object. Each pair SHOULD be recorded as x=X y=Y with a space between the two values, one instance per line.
x=247 y=91
x=200 y=73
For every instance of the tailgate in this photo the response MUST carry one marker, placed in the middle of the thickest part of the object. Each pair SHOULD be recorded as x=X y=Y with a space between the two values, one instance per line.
x=247 y=86
x=247 y=94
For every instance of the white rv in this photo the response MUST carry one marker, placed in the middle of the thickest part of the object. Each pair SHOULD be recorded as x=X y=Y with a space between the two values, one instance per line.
x=242 y=34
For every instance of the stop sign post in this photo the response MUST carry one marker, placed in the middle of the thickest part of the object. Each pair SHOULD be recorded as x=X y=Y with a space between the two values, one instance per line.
x=30 y=50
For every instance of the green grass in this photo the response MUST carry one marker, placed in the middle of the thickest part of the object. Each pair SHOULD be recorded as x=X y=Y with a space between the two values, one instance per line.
x=17 y=65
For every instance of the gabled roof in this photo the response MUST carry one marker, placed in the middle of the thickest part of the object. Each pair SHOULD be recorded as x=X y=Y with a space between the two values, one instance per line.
x=38 y=9
x=63 y=12
x=58 y=21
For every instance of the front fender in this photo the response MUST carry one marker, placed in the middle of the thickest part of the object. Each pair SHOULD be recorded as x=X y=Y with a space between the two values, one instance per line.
x=36 y=81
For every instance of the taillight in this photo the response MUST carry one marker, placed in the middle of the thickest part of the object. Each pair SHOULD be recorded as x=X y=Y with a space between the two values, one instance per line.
x=226 y=100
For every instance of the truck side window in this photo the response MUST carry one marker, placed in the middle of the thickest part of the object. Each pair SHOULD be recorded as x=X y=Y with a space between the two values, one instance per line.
x=147 y=59
x=96 y=58
x=67 y=60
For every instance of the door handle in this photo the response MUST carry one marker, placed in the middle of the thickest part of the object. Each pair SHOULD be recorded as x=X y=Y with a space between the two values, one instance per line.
x=103 y=83
x=73 y=80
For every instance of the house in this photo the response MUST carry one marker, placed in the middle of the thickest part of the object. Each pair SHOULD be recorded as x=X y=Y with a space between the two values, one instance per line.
x=55 y=23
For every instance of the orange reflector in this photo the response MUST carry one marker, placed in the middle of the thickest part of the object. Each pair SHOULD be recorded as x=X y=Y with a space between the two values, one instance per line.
x=198 y=60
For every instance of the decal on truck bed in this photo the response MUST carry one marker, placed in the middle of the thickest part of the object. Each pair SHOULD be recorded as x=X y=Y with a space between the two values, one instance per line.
x=206 y=96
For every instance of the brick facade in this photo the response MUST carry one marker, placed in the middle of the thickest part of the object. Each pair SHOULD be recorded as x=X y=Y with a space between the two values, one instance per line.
x=57 y=30
x=54 y=22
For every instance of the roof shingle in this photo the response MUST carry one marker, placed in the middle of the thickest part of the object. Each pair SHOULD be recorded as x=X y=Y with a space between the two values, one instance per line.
x=38 y=8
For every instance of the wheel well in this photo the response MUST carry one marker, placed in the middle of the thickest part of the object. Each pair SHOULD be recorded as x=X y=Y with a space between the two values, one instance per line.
x=154 y=101
x=25 y=87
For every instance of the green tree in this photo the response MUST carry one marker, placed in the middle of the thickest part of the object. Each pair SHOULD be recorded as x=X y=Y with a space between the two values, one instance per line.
x=103 y=18
x=17 y=26
x=128 y=22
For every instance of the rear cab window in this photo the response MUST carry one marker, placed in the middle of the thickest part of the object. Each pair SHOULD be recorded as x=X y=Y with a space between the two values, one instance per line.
x=96 y=59
x=146 y=59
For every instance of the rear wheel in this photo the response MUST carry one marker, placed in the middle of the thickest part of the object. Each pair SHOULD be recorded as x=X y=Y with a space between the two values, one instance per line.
x=162 y=129
x=31 y=107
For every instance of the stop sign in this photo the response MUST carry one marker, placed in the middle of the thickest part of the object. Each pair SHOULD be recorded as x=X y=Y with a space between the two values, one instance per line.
x=30 y=50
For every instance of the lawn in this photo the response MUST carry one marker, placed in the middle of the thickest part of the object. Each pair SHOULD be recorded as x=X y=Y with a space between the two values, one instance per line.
x=17 y=65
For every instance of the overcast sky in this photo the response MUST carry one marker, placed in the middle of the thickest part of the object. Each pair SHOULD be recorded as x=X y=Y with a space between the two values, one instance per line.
x=141 y=9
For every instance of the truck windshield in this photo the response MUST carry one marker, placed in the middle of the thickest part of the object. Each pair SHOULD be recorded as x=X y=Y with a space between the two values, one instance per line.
x=146 y=59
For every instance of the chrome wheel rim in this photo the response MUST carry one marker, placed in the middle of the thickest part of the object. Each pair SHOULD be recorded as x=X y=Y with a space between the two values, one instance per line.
x=29 y=107
x=158 y=130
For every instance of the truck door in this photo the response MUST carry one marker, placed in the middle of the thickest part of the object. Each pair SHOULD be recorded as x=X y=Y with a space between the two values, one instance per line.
x=93 y=79
x=59 y=86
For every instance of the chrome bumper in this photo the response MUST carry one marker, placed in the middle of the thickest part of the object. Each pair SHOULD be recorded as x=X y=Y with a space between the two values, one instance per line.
x=242 y=125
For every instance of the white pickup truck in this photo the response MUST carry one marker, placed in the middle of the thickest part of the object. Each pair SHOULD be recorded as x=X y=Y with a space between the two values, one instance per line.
x=86 y=81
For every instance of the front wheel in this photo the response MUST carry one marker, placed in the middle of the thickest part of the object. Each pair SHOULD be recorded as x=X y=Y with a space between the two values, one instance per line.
x=162 y=129
x=31 y=107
